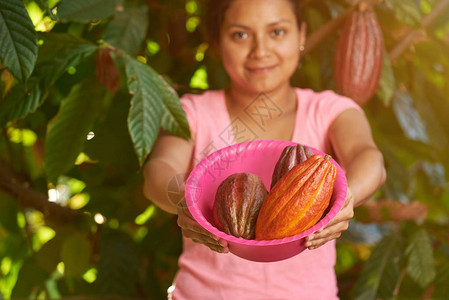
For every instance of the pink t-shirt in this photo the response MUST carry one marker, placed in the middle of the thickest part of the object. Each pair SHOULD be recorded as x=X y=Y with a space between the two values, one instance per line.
x=205 y=274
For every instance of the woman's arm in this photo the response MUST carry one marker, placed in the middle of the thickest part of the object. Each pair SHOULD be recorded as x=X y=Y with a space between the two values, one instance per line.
x=170 y=158
x=355 y=150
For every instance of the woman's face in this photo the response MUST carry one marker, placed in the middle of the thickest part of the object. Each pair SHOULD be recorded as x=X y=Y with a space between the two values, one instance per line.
x=260 y=44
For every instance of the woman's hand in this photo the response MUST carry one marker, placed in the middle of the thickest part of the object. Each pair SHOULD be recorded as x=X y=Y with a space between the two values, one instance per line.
x=335 y=227
x=191 y=229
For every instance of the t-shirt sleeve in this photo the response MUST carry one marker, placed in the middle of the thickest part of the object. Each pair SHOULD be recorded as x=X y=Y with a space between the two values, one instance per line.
x=333 y=105
x=188 y=106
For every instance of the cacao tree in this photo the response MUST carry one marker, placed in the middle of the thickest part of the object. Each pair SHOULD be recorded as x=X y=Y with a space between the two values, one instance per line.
x=85 y=87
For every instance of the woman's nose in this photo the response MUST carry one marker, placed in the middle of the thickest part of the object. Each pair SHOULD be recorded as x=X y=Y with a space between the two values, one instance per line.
x=260 y=47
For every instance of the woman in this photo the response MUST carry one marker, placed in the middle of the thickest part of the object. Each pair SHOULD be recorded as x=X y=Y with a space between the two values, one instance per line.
x=259 y=42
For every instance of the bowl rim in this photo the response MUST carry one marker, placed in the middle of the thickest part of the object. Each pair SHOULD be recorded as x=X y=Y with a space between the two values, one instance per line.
x=243 y=146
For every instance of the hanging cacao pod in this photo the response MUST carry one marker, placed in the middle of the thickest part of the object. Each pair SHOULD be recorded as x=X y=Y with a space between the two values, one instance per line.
x=237 y=204
x=359 y=56
x=298 y=200
x=290 y=157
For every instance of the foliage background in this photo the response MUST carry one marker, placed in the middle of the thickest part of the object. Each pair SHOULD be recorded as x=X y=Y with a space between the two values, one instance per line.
x=85 y=86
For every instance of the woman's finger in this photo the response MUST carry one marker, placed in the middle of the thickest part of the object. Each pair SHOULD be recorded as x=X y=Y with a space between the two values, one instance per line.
x=316 y=243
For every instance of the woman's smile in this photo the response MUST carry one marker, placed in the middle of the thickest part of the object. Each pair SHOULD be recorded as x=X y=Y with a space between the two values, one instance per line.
x=261 y=69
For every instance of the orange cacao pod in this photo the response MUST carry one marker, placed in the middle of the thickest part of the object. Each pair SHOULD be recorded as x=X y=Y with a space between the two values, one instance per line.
x=359 y=56
x=237 y=204
x=298 y=200
x=290 y=157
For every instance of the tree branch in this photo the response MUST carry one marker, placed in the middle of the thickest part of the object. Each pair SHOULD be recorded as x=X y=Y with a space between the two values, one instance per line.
x=390 y=210
x=319 y=35
x=10 y=183
x=411 y=36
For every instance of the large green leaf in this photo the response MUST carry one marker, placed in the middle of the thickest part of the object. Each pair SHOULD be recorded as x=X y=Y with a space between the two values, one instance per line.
x=60 y=51
x=387 y=83
x=174 y=119
x=112 y=133
x=433 y=107
x=146 y=110
x=442 y=280
x=409 y=118
x=31 y=277
x=128 y=28
x=407 y=11
x=152 y=103
x=22 y=100
x=48 y=255
x=68 y=131
x=381 y=272
x=18 y=46
x=421 y=265
x=75 y=254
x=118 y=264
x=86 y=10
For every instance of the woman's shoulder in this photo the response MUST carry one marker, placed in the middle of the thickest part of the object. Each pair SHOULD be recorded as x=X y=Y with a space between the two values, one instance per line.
x=326 y=97
x=324 y=94
x=207 y=96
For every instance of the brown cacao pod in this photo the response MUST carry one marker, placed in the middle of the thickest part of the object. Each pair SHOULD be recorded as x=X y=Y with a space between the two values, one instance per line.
x=106 y=71
x=359 y=56
x=290 y=157
x=237 y=204
x=299 y=199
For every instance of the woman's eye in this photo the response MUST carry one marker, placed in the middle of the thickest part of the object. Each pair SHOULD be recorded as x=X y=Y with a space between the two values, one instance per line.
x=278 y=32
x=240 y=35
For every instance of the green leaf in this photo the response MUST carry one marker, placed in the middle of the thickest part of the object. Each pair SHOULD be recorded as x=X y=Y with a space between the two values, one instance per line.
x=31 y=277
x=146 y=110
x=174 y=119
x=152 y=102
x=381 y=272
x=67 y=132
x=118 y=264
x=22 y=100
x=406 y=11
x=127 y=30
x=112 y=133
x=8 y=213
x=48 y=255
x=86 y=10
x=420 y=264
x=387 y=84
x=60 y=51
x=442 y=280
x=18 y=46
x=409 y=118
x=75 y=254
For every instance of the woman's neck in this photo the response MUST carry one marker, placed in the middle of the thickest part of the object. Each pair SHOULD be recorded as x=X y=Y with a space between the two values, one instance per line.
x=268 y=116
x=284 y=99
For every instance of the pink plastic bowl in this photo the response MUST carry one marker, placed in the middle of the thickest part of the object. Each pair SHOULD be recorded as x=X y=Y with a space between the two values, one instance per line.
x=257 y=157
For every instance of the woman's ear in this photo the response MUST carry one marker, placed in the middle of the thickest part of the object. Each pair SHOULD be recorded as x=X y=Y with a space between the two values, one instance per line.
x=302 y=36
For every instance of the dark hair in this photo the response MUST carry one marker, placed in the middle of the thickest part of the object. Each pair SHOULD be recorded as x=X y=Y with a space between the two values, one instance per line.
x=216 y=9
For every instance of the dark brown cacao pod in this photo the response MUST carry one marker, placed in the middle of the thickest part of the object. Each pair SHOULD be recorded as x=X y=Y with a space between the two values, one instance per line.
x=359 y=56
x=290 y=157
x=237 y=203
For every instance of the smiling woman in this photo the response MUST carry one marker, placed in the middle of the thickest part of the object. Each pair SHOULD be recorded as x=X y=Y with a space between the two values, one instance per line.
x=260 y=43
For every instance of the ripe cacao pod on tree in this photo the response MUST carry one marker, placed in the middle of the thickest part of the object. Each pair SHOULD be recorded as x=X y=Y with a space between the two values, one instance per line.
x=290 y=157
x=298 y=200
x=237 y=204
x=359 y=56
